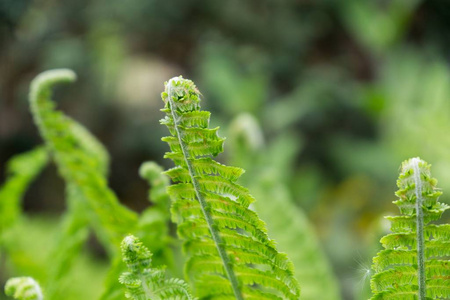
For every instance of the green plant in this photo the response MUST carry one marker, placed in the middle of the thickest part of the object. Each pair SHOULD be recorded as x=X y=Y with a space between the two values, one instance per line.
x=414 y=263
x=255 y=267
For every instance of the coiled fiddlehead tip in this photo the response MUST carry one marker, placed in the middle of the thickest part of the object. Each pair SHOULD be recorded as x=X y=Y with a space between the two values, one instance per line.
x=415 y=172
x=134 y=253
x=181 y=90
x=23 y=288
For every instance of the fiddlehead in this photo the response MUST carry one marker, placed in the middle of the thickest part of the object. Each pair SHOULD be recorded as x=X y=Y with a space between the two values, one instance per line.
x=23 y=288
x=414 y=263
x=229 y=252
x=144 y=282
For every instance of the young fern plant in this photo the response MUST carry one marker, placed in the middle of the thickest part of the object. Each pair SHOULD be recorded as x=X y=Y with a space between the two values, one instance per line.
x=230 y=255
x=143 y=282
x=415 y=262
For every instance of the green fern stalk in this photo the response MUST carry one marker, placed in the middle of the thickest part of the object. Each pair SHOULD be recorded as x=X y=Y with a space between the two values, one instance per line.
x=144 y=282
x=23 y=288
x=419 y=230
x=415 y=262
x=230 y=254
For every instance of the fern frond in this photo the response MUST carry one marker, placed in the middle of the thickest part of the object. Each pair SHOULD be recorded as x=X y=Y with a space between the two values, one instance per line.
x=23 y=288
x=415 y=261
x=21 y=170
x=144 y=282
x=80 y=164
x=230 y=255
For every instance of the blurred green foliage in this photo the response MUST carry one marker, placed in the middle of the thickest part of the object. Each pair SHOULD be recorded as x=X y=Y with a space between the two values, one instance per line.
x=355 y=86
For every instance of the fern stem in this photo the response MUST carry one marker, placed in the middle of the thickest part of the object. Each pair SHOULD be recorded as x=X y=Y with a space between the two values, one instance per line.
x=203 y=204
x=419 y=231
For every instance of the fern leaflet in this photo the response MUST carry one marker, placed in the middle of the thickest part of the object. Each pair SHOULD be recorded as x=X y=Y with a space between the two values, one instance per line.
x=144 y=282
x=415 y=262
x=230 y=255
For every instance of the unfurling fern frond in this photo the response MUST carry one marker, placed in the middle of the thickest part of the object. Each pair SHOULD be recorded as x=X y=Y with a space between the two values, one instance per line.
x=144 y=282
x=23 y=288
x=82 y=164
x=229 y=253
x=415 y=262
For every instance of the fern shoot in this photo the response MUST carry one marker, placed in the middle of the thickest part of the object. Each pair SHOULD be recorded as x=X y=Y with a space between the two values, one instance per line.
x=415 y=262
x=23 y=288
x=144 y=282
x=229 y=253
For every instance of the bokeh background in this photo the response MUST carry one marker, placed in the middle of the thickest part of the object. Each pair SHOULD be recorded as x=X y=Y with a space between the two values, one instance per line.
x=354 y=87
